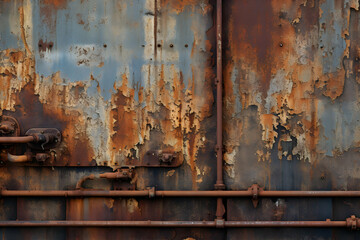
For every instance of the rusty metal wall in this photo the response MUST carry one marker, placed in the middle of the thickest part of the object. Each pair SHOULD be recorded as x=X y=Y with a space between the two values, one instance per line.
x=292 y=109
x=122 y=79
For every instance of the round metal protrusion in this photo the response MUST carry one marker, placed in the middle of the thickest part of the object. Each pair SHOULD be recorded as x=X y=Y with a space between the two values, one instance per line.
x=322 y=176
x=171 y=45
x=281 y=44
x=9 y=126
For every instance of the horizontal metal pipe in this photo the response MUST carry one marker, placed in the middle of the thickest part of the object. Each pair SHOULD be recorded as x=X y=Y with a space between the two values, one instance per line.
x=23 y=139
x=309 y=194
x=285 y=224
x=147 y=193
x=260 y=194
x=19 y=158
x=229 y=224
x=73 y=193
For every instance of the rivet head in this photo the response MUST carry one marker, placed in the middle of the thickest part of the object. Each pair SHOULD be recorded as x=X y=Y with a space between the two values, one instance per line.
x=281 y=44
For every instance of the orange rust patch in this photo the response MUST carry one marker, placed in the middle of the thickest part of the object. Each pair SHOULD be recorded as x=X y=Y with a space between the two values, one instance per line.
x=48 y=12
x=15 y=64
x=273 y=64
x=180 y=5
x=56 y=3
x=123 y=124
x=21 y=99
x=269 y=124
x=75 y=147
x=333 y=84
x=22 y=29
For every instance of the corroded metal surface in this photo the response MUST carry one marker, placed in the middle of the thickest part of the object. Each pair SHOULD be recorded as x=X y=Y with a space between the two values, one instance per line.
x=132 y=77
x=125 y=79
x=291 y=109
x=291 y=89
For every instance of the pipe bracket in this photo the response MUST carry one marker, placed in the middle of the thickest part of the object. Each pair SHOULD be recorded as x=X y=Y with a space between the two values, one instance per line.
x=255 y=190
x=220 y=223
x=353 y=222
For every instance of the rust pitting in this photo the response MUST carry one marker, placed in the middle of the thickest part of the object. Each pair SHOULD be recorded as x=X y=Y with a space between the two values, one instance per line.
x=45 y=45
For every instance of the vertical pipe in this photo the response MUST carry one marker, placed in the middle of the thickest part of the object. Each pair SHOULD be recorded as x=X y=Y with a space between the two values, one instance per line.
x=219 y=145
x=219 y=185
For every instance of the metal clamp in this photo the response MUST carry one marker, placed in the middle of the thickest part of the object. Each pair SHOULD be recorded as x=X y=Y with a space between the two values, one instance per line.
x=124 y=178
x=219 y=223
x=353 y=222
x=151 y=192
x=44 y=138
x=255 y=190
x=121 y=173
x=157 y=158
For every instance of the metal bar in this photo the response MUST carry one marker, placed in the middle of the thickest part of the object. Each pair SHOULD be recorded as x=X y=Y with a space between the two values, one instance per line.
x=219 y=185
x=73 y=193
x=309 y=194
x=147 y=193
x=219 y=131
x=19 y=158
x=10 y=140
x=212 y=224
x=285 y=224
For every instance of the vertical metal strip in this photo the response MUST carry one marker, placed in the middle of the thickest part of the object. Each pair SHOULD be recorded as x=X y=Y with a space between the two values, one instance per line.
x=219 y=146
x=220 y=208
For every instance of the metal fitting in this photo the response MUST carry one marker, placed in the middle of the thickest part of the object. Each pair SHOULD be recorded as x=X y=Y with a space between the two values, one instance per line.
x=151 y=192
x=219 y=223
x=7 y=127
x=44 y=138
x=255 y=189
x=166 y=157
x=83 y=179
x=121 y=173
x=219 y=186
x=353 y=222
x=42 y=157
x=217 y=148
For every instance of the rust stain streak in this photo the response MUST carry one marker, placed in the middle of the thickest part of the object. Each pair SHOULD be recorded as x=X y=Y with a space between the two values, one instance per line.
x=22 y=29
